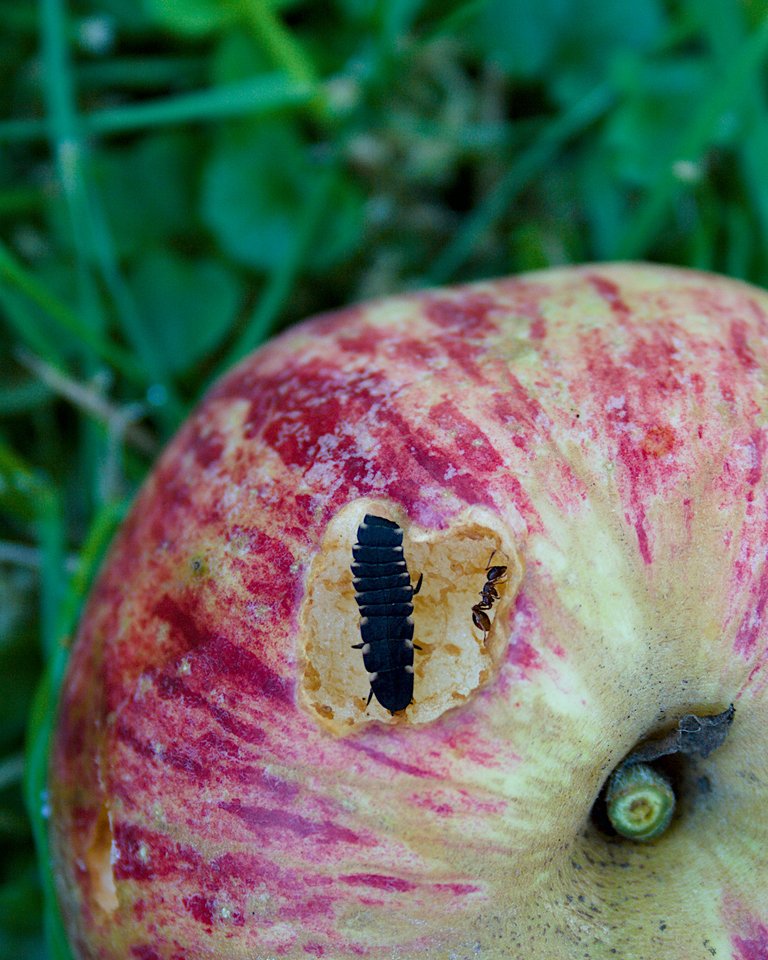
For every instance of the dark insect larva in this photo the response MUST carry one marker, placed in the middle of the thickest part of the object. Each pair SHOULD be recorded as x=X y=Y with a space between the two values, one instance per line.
x=384 y=594
x=493 y=576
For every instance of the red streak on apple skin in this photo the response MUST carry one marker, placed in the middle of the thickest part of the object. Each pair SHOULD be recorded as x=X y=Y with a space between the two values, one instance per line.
x=522 y=654
x=145 y=952
x=441 y=809
x=413 y=462
x=465 y=740
x=635 y=392
x=461 y=803
x=148 y=855
x=392 y=762
x=172 y=687
x=757 y=450
x=466 y=356
x=458 y=889
x=751 y=627
x=379 y=882
x=611 y=293
x=524 y=623
x=472 y=445
x=175 y=757
x=740 y=345
x=315 y=401
x=187 y=878
x=418 y=353
x=208 y=449
x=366 y=342
x=538 y=328
x=468 y=313
x=688 y=514
x=754 y=947
x=225 y=658
x=315 y=949
x=261 y=820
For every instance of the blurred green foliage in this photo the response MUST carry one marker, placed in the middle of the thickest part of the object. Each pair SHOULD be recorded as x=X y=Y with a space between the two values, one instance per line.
x=181 y=178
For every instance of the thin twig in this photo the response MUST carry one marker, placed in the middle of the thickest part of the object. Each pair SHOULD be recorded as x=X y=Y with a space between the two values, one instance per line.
x=119 y=420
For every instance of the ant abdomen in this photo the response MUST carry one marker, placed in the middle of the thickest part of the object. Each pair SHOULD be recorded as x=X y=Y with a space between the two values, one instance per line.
x=488 y=595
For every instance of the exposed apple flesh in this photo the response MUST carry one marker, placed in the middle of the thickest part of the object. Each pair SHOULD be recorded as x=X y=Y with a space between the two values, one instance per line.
x=219 y=788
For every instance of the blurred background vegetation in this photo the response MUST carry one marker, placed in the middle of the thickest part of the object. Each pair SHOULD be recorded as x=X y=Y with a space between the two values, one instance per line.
x=181 y=178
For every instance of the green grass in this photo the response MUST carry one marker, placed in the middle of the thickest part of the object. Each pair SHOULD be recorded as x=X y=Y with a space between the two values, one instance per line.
x=181 y=178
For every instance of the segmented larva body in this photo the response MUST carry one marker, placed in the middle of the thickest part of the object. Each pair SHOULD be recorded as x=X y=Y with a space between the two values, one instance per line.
x=384 y=594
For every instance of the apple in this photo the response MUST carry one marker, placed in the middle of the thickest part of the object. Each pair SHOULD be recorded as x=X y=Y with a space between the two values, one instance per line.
x=220 y=785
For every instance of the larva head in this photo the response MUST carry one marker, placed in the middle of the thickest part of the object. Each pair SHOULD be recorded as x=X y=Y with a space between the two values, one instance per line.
x=220 y=785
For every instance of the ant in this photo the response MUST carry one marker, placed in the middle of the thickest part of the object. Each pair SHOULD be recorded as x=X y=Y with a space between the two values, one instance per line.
x=493 y=576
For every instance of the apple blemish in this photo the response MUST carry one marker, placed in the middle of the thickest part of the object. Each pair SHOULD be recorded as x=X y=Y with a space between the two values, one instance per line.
x=98 y=863
x=456 y=655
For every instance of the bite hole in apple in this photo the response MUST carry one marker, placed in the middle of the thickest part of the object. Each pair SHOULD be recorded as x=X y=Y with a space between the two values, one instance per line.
x=455 y=657
x=641 y=796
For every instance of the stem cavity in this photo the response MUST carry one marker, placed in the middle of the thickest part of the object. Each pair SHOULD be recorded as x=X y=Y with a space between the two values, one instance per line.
x=639 y=800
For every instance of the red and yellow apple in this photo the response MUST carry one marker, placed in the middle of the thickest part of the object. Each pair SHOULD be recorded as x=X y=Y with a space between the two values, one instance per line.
x=220 y=787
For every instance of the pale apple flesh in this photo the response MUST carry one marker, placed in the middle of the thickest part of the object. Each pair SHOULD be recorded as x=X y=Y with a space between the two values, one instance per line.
x=604 y=426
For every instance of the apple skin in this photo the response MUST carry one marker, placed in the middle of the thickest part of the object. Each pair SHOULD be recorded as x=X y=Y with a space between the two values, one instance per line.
x=612 y=419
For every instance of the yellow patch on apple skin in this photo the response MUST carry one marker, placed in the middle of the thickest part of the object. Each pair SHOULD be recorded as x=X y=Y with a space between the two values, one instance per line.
x=454 y=661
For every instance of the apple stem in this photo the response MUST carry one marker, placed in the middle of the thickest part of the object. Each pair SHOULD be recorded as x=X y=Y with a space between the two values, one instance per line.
x=640 y=802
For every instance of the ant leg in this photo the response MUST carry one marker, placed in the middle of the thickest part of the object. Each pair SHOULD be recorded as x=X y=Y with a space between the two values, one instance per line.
x=370 y=697
x=418 y=584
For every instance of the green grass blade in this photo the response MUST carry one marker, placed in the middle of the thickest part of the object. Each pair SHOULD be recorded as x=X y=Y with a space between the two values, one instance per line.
x=22 y=489
x=172 y=410
x=21 y=318
x=18 y=278
x=744 y=72
x=141 y=73
x=257 y=95
x=281 y=45
x=58 y=628
x=52 y=542
x=522 y=171
x=279 y=286
x=106 y=521
x=42 y=719
x=39 y=733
